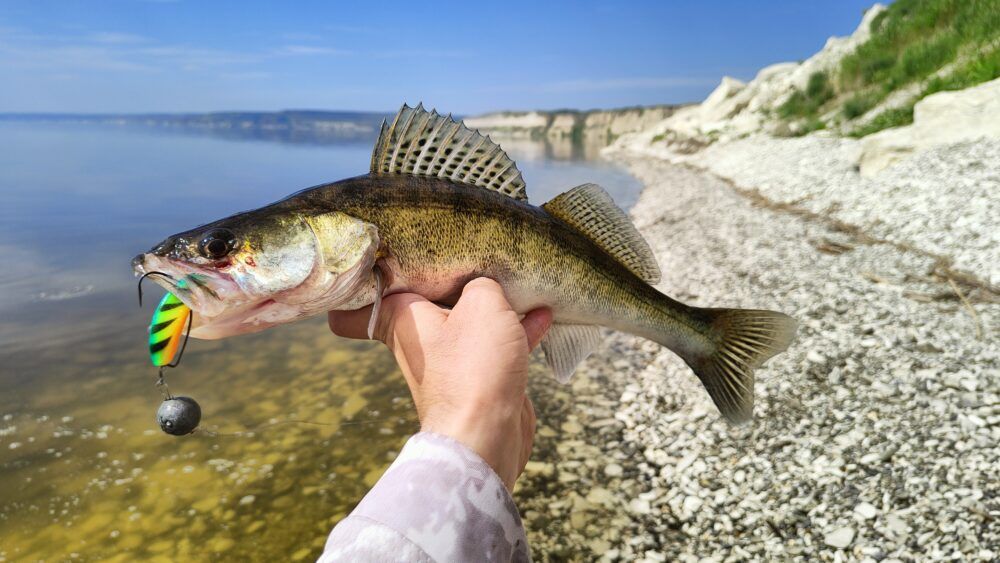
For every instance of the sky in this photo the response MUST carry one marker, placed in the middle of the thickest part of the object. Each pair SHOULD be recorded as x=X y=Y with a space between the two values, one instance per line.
x=128 y=56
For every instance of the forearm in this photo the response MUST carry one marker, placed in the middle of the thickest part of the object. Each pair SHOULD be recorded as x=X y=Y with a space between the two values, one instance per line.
x=438 y=501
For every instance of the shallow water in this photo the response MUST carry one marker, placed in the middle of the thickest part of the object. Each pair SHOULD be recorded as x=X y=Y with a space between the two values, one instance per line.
x=84 y=471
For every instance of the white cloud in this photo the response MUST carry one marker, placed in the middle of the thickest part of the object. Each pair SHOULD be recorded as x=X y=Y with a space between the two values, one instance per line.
x=310 y=50
x=301 y=36
x=603 y=84
x=423 y=54
x=67 y=58
x=347 y=28
x=249 y=75
x=116 y=38
x=597 y=84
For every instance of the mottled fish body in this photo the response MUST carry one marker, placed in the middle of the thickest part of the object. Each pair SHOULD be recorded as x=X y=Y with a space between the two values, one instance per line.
x=443 y=205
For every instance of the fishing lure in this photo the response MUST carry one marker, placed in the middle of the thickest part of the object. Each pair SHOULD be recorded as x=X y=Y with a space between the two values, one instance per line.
x=167 y=328
x=180 y=416
x=177 y=415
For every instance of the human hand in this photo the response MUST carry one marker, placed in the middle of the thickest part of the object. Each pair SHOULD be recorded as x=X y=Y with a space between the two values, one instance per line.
x=467 y=368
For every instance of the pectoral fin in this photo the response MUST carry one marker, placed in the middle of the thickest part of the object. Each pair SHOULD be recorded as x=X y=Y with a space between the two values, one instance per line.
x=567 y=345
x=377 y=305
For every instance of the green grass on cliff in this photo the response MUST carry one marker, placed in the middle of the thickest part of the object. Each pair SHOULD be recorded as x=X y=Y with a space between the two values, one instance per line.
x=914 y=38
x=911 y=42
x=973 y=71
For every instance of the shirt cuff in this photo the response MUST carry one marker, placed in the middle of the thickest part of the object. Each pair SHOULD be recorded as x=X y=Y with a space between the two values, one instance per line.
x=446 y=500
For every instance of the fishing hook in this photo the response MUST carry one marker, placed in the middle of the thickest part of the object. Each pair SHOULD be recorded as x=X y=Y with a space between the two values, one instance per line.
x=147 y=274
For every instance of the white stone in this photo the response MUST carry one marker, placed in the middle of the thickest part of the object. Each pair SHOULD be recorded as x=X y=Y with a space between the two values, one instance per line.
x=896 y=525
x=602 y=496
x=865 y=510
x=839 y=538
x=815 y=357
x=639 y=506
x=939 y=119
x=613 y=470
x=691 y=506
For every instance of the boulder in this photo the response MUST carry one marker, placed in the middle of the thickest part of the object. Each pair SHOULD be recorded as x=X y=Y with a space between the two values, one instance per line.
x=939 y=119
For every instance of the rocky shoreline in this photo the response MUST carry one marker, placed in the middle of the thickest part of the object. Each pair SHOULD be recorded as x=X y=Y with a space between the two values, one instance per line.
x=875 y=435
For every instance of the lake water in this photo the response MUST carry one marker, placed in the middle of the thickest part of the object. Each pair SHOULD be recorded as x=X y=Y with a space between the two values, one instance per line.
x=84 y=471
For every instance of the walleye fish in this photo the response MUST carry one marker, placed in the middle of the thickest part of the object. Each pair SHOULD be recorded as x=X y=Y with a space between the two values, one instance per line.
x=440 y=206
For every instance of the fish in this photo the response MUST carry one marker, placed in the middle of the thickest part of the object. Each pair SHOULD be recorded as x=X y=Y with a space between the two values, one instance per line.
x=441 y=205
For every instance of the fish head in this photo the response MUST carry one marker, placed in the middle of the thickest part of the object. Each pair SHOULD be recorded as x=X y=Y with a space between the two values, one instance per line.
x=258 y=269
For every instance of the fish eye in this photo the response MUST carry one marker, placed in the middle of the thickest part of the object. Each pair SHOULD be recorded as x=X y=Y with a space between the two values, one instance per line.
x=217 y=243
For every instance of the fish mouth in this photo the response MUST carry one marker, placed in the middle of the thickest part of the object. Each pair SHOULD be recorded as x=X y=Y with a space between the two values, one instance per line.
x=205 y=291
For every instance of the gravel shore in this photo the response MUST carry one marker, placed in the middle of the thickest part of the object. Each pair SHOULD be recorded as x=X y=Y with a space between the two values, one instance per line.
x=876 y=434
x=942 y=201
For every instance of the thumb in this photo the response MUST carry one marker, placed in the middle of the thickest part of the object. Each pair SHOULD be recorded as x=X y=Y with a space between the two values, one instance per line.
x=536 y=323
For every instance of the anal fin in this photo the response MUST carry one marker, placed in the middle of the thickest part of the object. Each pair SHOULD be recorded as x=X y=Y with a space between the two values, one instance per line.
x=567 y=345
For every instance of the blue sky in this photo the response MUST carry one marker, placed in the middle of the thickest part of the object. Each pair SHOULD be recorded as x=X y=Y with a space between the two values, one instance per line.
x=461 y=57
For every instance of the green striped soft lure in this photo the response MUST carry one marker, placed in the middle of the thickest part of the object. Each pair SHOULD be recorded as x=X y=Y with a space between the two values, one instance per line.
x=167 y=328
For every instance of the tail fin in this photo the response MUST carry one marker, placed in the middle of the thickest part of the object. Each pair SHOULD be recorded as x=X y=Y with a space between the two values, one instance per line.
x=744 y=339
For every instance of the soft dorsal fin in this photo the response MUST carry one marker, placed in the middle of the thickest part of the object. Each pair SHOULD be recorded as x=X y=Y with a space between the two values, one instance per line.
x=591 y=211
x=423 y=143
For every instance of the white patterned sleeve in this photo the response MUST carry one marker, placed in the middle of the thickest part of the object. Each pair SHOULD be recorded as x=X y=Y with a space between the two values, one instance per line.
x=439 y=501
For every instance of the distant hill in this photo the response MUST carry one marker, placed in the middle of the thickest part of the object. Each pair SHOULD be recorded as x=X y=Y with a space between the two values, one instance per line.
x=592 y=126
x=289 y=125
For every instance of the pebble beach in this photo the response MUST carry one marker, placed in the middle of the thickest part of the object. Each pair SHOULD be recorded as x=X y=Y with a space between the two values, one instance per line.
x=875 y=434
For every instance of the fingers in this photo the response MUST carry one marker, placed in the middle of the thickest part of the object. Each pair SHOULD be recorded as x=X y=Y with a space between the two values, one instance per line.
x=350 y=324
x=401 y=306
x=403 y=313
x=536 y=323
x=481 y=296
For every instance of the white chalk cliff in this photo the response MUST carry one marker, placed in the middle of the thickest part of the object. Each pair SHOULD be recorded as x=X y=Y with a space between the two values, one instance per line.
x=736 y=109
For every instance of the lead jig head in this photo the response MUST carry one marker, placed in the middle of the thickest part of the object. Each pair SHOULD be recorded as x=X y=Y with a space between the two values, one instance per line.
x=178 y=416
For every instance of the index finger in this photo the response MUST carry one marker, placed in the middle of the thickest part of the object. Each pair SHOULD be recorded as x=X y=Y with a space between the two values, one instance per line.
x=350 y=324
x=481 y=296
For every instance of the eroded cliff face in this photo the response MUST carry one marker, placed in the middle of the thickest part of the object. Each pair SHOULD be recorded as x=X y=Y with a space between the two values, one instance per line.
x=595 y=128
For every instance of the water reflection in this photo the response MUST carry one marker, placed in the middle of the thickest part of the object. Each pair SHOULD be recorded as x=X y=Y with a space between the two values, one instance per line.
x=83 y=468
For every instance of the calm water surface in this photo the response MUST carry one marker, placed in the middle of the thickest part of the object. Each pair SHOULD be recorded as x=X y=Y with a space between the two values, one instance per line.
x=84 y=472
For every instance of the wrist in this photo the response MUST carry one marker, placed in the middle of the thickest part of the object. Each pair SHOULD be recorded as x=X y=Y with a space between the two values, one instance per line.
x=491 y=432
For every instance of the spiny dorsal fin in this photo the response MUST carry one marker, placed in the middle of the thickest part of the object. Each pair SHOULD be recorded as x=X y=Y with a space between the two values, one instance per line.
x=591 y=211
x=423 y=143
